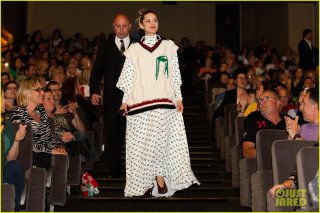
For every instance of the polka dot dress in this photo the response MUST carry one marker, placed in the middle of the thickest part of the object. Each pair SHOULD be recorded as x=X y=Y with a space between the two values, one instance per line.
x=156 y=142
x=156 y=145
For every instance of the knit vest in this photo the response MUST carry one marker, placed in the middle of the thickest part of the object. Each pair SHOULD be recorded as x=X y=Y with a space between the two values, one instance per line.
x=152 y=85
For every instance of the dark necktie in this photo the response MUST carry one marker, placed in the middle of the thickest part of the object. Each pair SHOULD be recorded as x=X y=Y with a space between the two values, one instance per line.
x=122 y=49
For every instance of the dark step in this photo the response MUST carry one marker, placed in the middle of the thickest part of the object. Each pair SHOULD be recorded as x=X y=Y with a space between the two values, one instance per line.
x=191 y=192
x=210 y=204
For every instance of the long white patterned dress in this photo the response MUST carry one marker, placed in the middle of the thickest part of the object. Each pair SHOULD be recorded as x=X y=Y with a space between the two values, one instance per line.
x=156 y=142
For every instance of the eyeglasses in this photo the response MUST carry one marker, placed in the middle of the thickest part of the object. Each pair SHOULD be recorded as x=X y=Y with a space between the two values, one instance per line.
x=12 y=88
x=39 y=89
x=242 y=79
x=54 y=90
x=265 y=98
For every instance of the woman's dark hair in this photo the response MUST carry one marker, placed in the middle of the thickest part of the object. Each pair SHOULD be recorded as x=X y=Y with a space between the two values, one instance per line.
x=5 y=86
x=52 y=83
x=68 y=89
x=5 y=74
x=144 y=12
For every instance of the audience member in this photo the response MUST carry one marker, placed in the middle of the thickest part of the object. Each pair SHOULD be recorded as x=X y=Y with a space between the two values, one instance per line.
x=232 y=96
x=13 y=172
x=310 y=111
x=29 y=110
x=10 y=95
x=267 y=118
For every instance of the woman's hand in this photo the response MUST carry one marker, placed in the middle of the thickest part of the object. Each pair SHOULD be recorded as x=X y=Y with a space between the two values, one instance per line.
x=59 y=151
x=124 y=107
x=73 y=108
x=243 y=100
x=61 y=110
x=21 y=133
x=67 y=136
x=180 y=106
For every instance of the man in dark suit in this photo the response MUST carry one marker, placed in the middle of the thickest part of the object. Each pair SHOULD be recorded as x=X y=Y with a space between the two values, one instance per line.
x=109 y=63
x=307 y=53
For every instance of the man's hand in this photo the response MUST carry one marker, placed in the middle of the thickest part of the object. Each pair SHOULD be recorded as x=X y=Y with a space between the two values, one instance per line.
x=95 y=99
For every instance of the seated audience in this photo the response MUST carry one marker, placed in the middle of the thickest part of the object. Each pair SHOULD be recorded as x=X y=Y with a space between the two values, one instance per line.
x=309 y=131
x=29 y=110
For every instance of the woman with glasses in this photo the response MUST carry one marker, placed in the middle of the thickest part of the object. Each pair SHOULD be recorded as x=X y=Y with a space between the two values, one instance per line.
x=234 y=96
x=10 y=94
x=29 y=99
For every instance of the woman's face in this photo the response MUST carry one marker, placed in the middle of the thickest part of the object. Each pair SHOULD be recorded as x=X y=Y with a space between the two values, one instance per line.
x=299 y=73
x=37 y=95
x=4 y=79
x=18 y=63
x=11 y=92
x=48 y=102
x=150 y=24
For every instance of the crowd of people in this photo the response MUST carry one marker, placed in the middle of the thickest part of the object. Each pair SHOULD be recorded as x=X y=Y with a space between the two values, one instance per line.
x=46 y=81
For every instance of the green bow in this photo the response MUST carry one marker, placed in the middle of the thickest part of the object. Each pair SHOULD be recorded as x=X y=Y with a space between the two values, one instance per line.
x=163 y=59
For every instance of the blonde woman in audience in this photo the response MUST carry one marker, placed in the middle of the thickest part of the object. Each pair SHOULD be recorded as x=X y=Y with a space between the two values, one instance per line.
x=29 y=110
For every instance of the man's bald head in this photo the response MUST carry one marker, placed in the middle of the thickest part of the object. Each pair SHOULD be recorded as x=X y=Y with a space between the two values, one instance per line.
x=121 y=25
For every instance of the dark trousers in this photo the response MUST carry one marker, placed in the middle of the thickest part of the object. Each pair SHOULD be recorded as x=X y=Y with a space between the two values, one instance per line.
x=42 y=160
x=114 y=127
x=13 y=173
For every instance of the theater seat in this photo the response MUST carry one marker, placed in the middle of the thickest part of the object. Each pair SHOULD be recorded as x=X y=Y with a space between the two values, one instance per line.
x=261 y=180
x=33 y=195
x=283 y=153
x=236 y=151
x=230 y=139
x=8 y=196
x=307 y=165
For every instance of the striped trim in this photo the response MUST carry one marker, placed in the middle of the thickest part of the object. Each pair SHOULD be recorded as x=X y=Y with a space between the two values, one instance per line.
x=151 y=49
x=150 y=105
x=144 y=109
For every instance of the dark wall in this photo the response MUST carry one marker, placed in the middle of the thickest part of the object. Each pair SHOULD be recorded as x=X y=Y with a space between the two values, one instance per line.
x=13 y=18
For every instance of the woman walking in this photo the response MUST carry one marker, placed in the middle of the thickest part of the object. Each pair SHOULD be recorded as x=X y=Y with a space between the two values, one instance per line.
x=157 y=155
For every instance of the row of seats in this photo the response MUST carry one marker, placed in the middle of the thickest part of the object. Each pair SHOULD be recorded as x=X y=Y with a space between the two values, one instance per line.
x=65 y=171
x=256 y=176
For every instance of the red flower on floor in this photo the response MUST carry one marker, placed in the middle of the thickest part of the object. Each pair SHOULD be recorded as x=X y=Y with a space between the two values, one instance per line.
x=261 y=124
